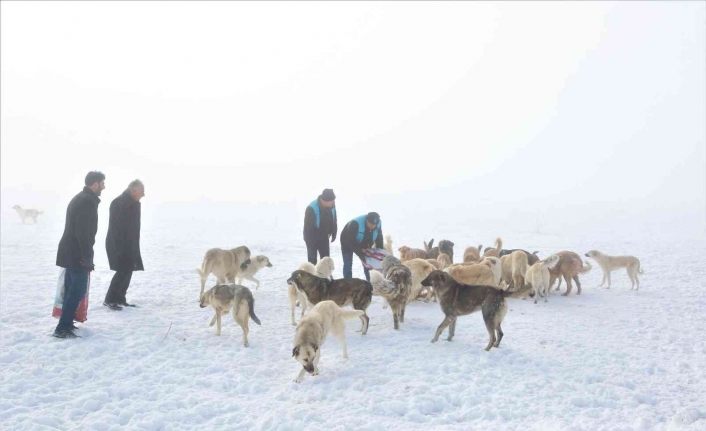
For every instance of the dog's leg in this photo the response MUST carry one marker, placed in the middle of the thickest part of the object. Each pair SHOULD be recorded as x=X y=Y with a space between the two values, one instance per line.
x=446 y=322
x=366 y=323
x=452 y=329
x=635 y=277
x=499 y=330
x=301 y=375
x=608 y=274
x=218 y=323
x=316 y=362
x=578 y=284
x=395 y=316
x=292 y=293
x=602 y=280
x=568 y=285
x=491 y=332
x=213 y=320
x=404 y=307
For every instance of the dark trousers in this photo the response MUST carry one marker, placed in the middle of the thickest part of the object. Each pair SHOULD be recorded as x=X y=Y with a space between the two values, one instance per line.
x=118 y=287
x=320 y=245
x=75 y=285
x=348 y=265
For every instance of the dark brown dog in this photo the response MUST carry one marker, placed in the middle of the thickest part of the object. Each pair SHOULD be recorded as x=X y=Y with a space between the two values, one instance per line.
x=445 y=246
x=343 y=292
x=458 y=299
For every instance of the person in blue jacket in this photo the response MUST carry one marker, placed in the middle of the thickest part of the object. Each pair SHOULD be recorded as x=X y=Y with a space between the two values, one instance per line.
x=362 y=232
x=319 y=224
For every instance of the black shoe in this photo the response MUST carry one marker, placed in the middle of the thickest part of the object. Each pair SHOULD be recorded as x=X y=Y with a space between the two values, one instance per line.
x=65 y=333
x=125 y=304
x=113 y=306
x=74 y=327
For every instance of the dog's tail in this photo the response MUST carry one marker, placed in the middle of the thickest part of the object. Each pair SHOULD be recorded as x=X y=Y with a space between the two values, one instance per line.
x=639 y=268
x=522 y=292
x=498 y=244
x=587 y=267
x=246 y=294
x=351 y=314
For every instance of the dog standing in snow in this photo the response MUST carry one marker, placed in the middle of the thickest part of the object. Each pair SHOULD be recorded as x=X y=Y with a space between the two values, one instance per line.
x=311 y=333
x=256 y=264
x=27 y=213
x=324 y=269
x=610 y=263
x=225 y=298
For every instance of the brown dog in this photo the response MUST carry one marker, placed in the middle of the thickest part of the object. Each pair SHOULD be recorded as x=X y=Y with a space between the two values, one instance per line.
x=569 y=267
x=354 y=291
x=458 y=299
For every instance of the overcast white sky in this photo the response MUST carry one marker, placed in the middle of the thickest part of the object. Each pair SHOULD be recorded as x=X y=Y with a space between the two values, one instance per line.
x=568 y=103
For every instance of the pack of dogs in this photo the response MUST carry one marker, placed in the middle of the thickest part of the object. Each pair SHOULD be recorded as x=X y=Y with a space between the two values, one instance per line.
x=481 y=282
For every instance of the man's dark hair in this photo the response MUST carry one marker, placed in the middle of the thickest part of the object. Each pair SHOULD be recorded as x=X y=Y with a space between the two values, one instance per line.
x=94 y=177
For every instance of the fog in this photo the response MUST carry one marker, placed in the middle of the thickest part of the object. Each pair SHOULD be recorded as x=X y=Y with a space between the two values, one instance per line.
x=540 y=117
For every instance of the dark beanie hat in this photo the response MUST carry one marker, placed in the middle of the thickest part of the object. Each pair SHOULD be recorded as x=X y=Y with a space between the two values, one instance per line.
x=327 y=195
x=373 y=218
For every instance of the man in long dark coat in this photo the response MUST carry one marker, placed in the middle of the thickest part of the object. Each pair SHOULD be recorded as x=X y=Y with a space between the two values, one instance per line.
x=75 y=252
x=123 y=243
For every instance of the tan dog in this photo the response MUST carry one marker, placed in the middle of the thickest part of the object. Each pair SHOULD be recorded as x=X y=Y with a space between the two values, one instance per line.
x=225 y=298
x=506 y=270
x=407 y=253
x=569 y=267
x=519 y=268
x=494 y=264
x=324 y=269
x=476 y=274
x=610 y=263
x=420 y=268
x=538 y=276
x=472 y=254
x=311 y=333
x=256 y=264
x=224 y=264
x=435 y=263
x=444 y=260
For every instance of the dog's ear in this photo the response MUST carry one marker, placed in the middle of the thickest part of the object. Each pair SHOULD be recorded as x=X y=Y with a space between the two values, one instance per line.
x=295 y=351
x=535 y=252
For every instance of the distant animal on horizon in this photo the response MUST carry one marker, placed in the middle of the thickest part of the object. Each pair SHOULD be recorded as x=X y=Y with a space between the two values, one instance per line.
x=344 y=291
x=256 y=263
x=458 y=299
x=445 y=246
x=325 y=317
x=407 y=253
x=611 y=263
x=538 y=277
x=224 y=264
x=569 y=267
x=234 y=298
x=324 y=269
x=27 y=213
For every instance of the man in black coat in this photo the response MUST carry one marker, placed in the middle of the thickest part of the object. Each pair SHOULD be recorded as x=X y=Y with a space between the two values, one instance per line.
x=75 y=252
x=319 y=223
x=362 y=232
x=123 y=243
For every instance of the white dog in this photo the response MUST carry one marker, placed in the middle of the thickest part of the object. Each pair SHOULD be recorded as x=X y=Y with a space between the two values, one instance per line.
x=256 y=264
x=311 y=333
x=323 y=269
x=610 y=263
x=538 y=276
x=27 y=213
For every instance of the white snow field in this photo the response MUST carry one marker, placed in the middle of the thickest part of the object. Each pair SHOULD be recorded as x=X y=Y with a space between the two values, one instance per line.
x=608 y=359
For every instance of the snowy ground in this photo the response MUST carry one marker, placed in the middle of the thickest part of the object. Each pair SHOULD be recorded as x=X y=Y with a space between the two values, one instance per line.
x=608 y=359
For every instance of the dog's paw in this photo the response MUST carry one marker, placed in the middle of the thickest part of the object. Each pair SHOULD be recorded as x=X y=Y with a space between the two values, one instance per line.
x=434 y=340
